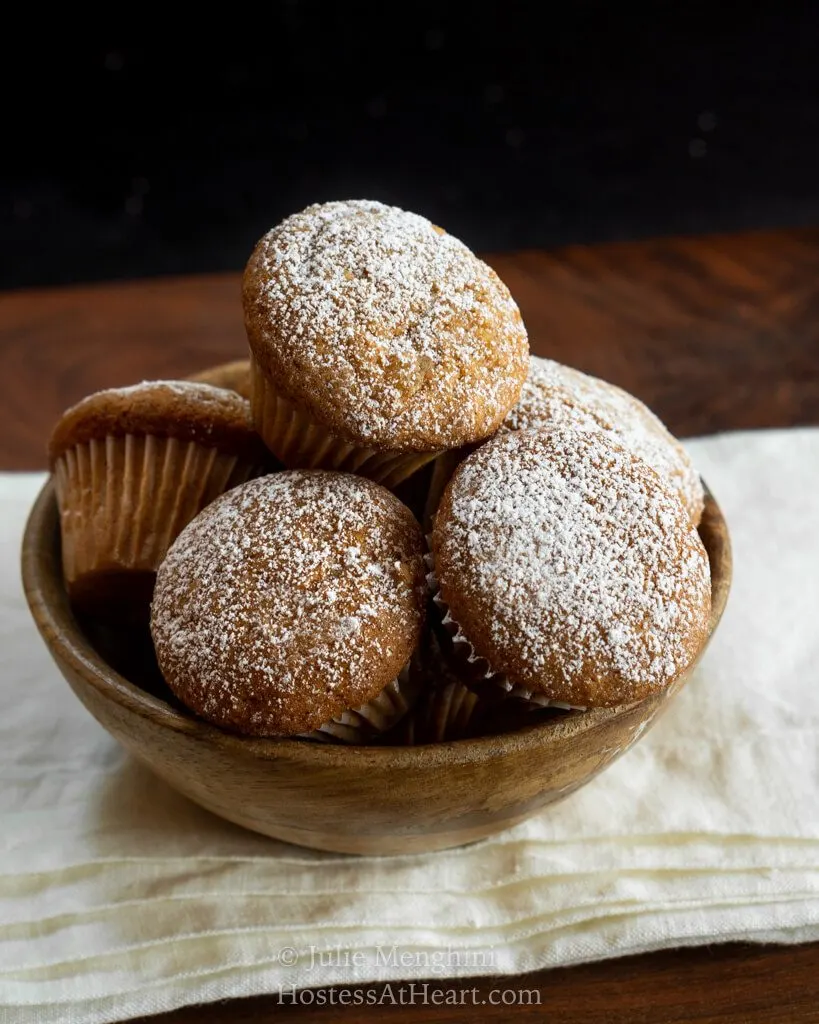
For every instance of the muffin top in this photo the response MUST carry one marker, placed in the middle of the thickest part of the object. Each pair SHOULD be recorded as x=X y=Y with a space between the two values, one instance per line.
x=234 y=376
x=571 y=567
x=556 y=395
x=289 y=600
x=186 y=410
x=389 y=331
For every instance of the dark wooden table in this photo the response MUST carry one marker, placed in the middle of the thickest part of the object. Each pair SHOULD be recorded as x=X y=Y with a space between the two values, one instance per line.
x=714 y=333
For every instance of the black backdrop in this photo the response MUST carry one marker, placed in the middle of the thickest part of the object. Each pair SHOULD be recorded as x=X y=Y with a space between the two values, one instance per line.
x=511 y=124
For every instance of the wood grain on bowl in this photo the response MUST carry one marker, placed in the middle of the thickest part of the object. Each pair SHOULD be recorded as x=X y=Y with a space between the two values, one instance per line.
x=366 y=800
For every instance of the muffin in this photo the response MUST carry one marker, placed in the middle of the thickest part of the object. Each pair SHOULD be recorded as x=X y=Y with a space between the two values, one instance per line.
x=132 y=467
x=556 y=395
x=568 y=571
x=377 y=341
x=234 y=376
x=292 y=605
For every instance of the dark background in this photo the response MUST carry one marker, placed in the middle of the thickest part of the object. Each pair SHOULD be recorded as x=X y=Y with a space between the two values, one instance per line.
x=510 y=124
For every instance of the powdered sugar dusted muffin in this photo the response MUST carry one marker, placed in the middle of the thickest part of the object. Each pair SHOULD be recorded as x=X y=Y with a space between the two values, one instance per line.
x=292 y=606
x=568 y=570
x=556 y=395
x=132 y=467
x=377 y=340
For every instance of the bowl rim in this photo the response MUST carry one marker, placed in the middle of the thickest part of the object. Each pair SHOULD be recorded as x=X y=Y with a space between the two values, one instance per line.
x=50 y=608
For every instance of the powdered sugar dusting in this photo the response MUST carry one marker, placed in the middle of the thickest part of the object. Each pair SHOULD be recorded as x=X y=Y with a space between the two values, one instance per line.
x=289 y=600
x=556 y=395
x=206 y=396
x=571 y=567
x=177 y=387
x=400 y=335
x=186 y=410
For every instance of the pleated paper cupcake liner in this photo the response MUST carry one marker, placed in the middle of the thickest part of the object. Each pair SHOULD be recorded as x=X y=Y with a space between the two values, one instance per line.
x=302 y=443
x=361 y=725
x=124 y=500
x=446 y=710
x=481 y=676
x=442 y=471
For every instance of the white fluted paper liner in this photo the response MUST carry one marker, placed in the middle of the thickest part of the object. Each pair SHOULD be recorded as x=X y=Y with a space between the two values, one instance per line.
x=359 y=725
x=479 y=667
x=449 y=709
x=446 y=710
x=302 y=443
x=124 y=500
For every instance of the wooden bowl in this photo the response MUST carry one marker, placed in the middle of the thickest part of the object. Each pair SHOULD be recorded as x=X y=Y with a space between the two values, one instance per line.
x=366 y=800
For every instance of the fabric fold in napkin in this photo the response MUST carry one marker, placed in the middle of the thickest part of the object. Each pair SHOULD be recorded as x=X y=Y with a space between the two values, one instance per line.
x=120 y=898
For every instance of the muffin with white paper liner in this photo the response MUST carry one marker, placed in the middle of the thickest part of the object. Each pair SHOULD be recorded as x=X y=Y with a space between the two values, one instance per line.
x=292 y=607
x=567 y=572
x=132 y=466
x=554 y=395
x=377 y=341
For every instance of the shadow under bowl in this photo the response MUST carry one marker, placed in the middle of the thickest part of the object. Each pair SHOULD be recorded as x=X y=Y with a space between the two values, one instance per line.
x=347 y=799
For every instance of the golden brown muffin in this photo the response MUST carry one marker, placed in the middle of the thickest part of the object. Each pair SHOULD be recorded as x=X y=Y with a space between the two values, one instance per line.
x=293 y=604
x=556 y=395
x=377 y=340
x=570 y=569
x=234 y=376
x=132 y=467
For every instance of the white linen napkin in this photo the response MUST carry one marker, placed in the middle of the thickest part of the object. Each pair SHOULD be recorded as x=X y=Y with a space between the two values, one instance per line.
x=120 y=898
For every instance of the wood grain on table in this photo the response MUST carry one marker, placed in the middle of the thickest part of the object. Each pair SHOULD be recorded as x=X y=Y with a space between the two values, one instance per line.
x=714 y=333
